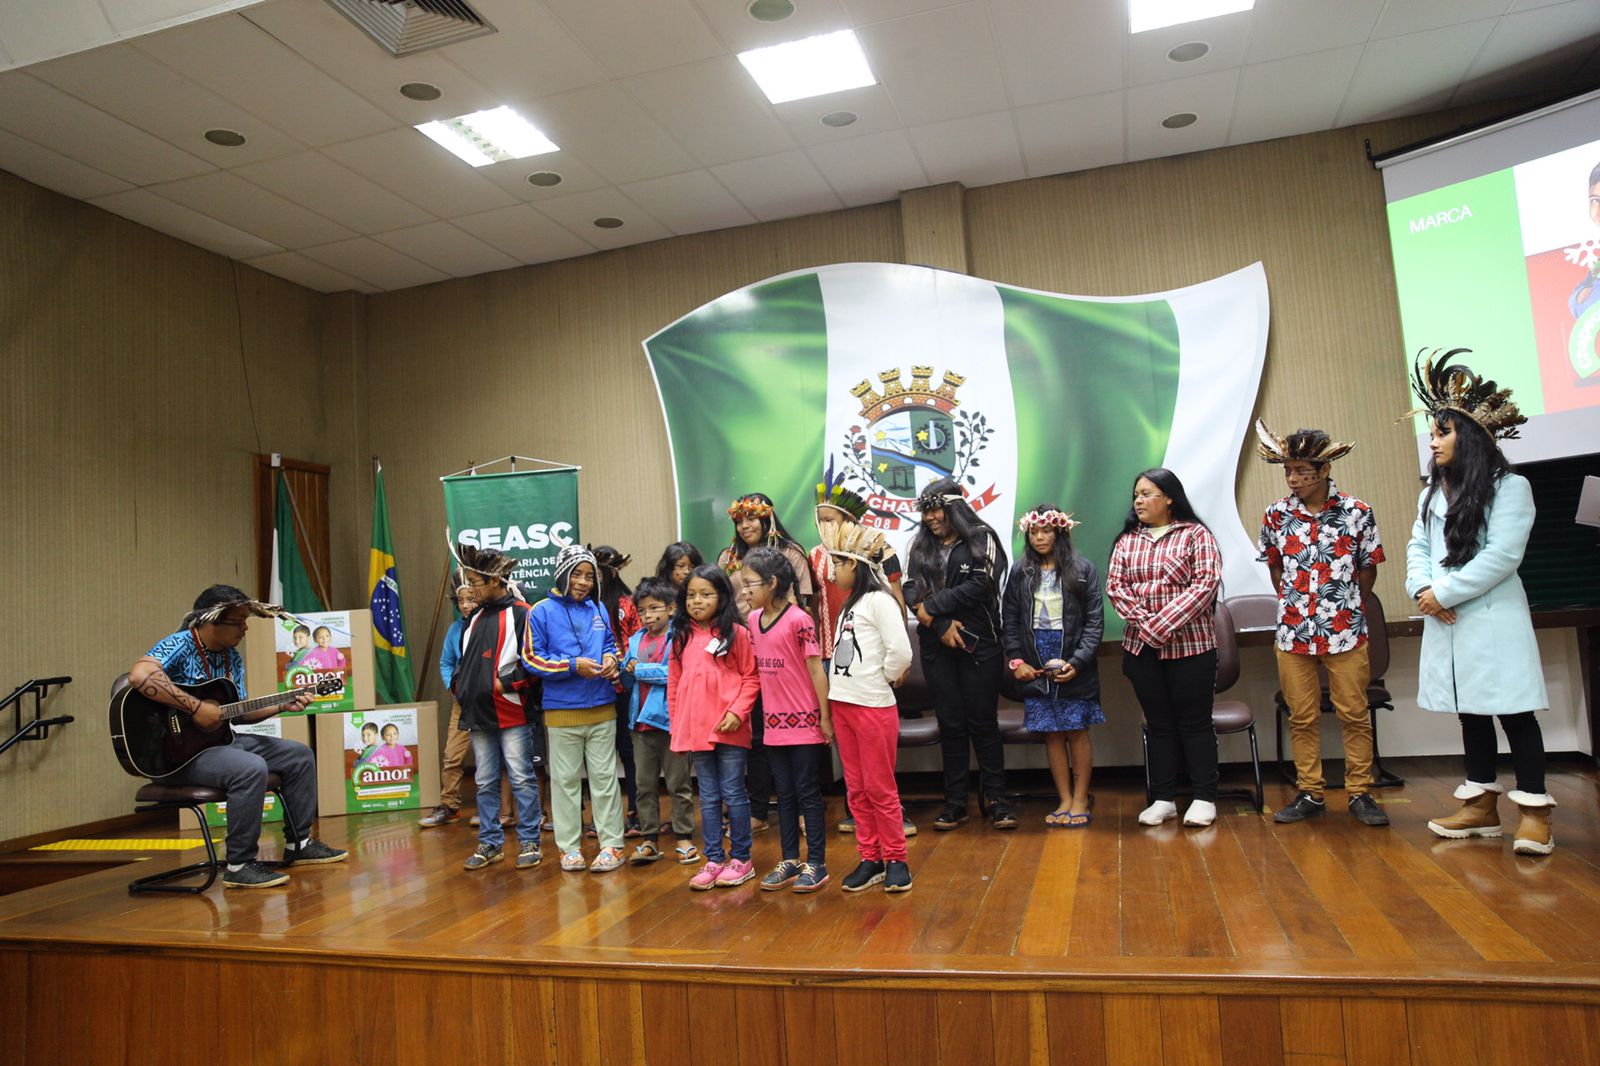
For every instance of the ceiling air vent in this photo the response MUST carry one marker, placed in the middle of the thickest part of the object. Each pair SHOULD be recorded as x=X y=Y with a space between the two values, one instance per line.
x=405 y=27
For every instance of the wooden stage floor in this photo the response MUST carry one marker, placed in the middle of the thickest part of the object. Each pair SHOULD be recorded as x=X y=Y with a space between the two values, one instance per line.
x=1246 y=942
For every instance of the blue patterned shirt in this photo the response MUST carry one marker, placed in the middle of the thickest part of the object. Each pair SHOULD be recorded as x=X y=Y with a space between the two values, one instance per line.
x=180 y=656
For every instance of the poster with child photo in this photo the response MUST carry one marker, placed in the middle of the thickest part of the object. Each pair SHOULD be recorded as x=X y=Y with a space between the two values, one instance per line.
x=313 y=647
x=380 y=760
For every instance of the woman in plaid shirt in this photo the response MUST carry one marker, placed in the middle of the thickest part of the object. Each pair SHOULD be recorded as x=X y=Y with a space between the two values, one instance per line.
x=1163 y=578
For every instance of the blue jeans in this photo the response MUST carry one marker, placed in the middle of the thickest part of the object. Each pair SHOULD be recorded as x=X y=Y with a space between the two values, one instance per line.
x=510 y=749
x=721 y=774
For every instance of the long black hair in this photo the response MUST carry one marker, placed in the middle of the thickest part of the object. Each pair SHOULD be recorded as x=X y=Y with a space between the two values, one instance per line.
x=612 y=588
x=1066 y=559
x=924 y=566
x=867 y=580
x=769 y=564
x=723 y=622
x=771 y=527
x=669 y=558
x=1469 y=483
x=1172 y=488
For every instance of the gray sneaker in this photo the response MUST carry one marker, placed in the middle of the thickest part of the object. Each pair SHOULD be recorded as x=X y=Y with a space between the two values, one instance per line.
x=528 y=856
x=313 y=854
x=439 y=816
x=486 y=854
x=253 y=875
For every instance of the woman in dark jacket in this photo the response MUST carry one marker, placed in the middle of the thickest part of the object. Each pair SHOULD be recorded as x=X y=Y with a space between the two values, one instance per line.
x=1053 y=617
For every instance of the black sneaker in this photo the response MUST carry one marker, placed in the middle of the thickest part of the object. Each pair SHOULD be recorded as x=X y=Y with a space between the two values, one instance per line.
x=782 y=876
x=253 y=875
x=528 y=855
x=1001 y=814
x=949 y=818
x=813 y=875
x=897 y=877
x=862 y=877
x=1367 y=811
x=630 y=828
x=1304 y=806
x=313 y=854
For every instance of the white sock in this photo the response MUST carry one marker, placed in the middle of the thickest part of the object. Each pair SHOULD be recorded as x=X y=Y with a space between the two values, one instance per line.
x=304 y=843
x=235 y=867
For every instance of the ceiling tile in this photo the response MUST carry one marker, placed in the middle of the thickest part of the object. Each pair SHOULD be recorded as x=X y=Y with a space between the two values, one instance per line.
x=532 y=55
x=316 y=182
x=49 y=117
x=1070 y=135
x=978 y=150
x=1053 y=49
x=730 y=20
x=443 y=247
x=1411 y=74
x=40 y=165
x=512 y=176
x=1283 y=28
x=713 y=108
x=1209 y=96
x=35 y=31
x=870 y=104
x=694 y=202
x=606 y=129
x=864 y=11
x=1529 y=5
x=524 y=234
x=938 y=65
x=177 y=111
x=1414 y=16
x=332 y=43
x=177 y=220
x=1533 y=51
x=785 y=185
x=869 y=170
x=132 y=16
x=414 y=168
x=238 y=60
x=1290 y=96
x=578 y=212
x=292 y=266
x=1146 y=60
x=233 y=200
x=379 y=265
x=628 y=37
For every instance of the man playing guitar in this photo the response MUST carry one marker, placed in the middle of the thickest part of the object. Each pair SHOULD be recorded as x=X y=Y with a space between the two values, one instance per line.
x=206 y=647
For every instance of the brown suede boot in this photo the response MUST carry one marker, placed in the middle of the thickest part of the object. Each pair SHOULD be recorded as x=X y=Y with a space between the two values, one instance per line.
x=1533 y=834
x=1478 y=816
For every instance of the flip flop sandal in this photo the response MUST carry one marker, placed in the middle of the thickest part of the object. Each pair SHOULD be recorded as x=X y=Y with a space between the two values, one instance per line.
x=1078 y=820
x=1058 y=819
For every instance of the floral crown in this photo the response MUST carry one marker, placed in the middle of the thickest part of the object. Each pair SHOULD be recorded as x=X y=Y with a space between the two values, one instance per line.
x=1315 y=449
x=1443 y=387
x=749 y=507
x=1051 y=519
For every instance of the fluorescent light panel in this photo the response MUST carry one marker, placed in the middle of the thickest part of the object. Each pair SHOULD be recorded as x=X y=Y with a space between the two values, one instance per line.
x=492 y=136
x=816 y=66
x=1156 y=14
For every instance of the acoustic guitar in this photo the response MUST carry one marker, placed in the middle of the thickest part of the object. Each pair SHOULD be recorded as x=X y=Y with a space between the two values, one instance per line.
x=154 y=741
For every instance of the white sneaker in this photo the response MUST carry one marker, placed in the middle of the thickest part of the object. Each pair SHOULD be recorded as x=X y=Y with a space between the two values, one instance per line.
x=1158 y=812
x=1200 y=813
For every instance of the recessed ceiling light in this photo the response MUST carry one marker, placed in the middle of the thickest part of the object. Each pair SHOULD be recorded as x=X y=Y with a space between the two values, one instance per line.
x=815 y=66
x=492 y=136
x=1154 y=14
x=420 y=90
x=1188 y=52
x=544 y=178
x=836 y=119
x=225 y=138
x=608 y=222
x=1180 y=120
x=770 y=10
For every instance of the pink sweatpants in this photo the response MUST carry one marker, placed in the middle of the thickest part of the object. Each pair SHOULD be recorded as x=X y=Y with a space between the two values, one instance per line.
x=868 y=738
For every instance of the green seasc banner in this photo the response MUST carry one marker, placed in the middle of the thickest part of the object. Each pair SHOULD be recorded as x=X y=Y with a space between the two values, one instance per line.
x=528 y=514
x=892 y=376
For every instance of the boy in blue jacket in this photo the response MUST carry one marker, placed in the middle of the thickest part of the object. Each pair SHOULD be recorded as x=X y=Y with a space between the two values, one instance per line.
x=570 y=646
x=644 y=678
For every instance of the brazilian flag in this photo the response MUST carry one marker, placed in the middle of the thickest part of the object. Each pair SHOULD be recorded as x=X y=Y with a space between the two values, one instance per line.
x=392 y=678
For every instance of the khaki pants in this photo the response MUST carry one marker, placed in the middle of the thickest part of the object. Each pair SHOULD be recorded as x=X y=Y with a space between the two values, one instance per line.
x=456 y=745
x=574 y=748
x=1348 y=675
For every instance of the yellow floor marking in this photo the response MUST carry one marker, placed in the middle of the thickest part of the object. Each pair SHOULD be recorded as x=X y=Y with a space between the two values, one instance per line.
x=161 y=844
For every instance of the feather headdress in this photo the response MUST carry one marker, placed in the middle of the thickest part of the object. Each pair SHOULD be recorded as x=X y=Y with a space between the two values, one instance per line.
x=855 y=542
x=1441 y=386
x=210 y=613
x=1303 y=447
x=751 y=506
x=484 y=561
x=831 y=492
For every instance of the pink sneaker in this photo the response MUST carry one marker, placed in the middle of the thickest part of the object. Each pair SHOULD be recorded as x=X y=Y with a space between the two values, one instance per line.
x=736 y=873
x=706 y=877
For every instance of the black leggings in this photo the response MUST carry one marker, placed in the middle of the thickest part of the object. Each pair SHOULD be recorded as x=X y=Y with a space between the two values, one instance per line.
x=630 y=781
x=757 y=769
x=1176 y=696
x=966 y=695
x=794 y=771
x=1527 y=748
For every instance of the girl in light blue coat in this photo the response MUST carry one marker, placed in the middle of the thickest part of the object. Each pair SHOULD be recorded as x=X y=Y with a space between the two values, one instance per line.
x=1480 y=660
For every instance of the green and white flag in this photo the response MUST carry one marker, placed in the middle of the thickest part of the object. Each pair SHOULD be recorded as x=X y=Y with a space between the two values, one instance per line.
x=897 y=375
x=290 y=584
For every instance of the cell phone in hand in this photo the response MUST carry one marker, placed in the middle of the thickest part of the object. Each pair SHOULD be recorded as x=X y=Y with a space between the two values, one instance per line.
x=969 y=640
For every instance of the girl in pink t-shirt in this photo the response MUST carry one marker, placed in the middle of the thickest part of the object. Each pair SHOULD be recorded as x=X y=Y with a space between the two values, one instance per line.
x=794 y=709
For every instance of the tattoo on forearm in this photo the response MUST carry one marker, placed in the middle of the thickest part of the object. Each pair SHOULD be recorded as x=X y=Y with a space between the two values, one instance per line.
x=161 y=688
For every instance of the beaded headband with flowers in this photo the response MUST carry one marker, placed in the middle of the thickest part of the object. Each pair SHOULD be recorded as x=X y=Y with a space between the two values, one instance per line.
x=1049 y=520
x=1443 y=387
x=937 y=501
x=749 y=507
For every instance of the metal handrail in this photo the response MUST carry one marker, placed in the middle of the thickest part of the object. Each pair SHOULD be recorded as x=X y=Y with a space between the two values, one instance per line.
x=39 y=728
